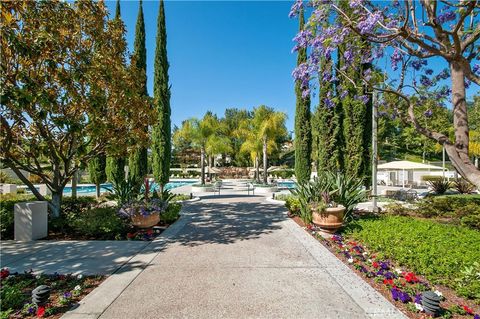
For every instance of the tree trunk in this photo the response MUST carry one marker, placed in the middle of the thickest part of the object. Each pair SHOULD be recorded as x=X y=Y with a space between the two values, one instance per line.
x=97 y=189
x=257 y=170
x=55 y=204
x=458 y=153
x=202 y=166
x=265 y=161
x=74 y=184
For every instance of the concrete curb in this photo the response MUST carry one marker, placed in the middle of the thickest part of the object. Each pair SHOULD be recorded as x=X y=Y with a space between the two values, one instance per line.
x=274 y=201
x=371 y=301
x=96 y=302
x=195 y=199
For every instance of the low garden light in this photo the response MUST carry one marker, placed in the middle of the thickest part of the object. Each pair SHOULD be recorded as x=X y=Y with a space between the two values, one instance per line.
x=431 y=303
x=40 y=295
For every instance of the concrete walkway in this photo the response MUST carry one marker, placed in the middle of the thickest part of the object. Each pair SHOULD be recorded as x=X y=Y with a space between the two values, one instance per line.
x=235 y=257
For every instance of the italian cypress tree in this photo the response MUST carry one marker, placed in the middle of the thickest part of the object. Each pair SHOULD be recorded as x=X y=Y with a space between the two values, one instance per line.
x=327 y=124
x=161 y=138
x=96 y=170
x=303 y=134
x=115 y=165
x=138 y=158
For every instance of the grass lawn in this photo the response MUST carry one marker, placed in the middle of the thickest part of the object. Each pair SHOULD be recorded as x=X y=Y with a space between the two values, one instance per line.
x=444 y=254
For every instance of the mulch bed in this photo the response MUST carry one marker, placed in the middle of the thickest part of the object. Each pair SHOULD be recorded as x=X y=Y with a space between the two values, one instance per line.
x=452 y=305
x=66 y=292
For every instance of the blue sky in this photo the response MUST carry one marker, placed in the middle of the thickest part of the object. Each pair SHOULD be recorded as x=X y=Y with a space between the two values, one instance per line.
x=222 y=54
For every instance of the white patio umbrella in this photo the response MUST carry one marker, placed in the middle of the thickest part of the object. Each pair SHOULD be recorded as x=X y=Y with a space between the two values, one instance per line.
x=407 y=166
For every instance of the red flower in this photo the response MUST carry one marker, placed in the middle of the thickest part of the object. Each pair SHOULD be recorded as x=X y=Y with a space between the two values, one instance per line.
x=4 y=273
x=40 y=311
x=353 y=243
x=149 y=231
x=375 y=264
x=468 y=310
x=131 y=235
x=411 y=278
x=388 y=282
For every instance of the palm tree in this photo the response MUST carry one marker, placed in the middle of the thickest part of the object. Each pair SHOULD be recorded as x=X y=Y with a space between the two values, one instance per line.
x=203 y=134
x=269 y=125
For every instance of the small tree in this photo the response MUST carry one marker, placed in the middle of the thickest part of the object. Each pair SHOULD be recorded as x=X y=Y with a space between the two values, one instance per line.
x=51 y=121
x=96 y=170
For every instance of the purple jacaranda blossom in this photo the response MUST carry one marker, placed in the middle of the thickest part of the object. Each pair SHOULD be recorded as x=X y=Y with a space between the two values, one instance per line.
x=328 y=103
x=343 y=94
x=367 y=25
x=295 y=8
x=396 y=3
x=446 y=16
x=355 y=3
x=396 y=57
x=428 y=71
x=302 y=39
x=425 y=81
x=348 y=56
x=476 y=69
x=443 y=92
x=467 y=83
x=428 y=113
x=327 y=76
x=367 y=74
x=445 y=74
x=417 y=64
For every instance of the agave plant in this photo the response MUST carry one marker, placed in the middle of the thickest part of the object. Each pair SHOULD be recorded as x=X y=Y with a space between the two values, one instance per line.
x=349 y=191
x=125 y=190
x=439 y=187
x=463 y=187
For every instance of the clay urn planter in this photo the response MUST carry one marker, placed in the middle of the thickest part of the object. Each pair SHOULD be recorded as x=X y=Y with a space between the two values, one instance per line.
x=329 y=219
x=142 y=221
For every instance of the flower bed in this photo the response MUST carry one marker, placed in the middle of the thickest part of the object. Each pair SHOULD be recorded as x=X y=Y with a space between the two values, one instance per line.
x=66 y=291
x=400 y=285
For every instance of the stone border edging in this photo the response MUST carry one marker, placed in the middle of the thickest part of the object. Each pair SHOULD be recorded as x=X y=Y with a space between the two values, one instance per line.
x=366 y=297
x=274 y=201
x=98 y=300
x=195 y=199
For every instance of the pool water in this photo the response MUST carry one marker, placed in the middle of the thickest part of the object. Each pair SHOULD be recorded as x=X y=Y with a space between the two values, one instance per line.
x=91 y=189
x=286 y=184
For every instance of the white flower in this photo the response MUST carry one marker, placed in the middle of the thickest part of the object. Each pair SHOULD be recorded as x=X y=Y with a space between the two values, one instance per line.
x=369 y=260
x=350 y=260
x=77 y=287
x=419 y=307
x=80 y=276
x=346 y=249
x=365 y=253
x=37 y=276
x=398 y=270
x=438 y=293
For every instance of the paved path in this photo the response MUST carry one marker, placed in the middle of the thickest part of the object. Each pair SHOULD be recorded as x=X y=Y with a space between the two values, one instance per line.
x=231 y=257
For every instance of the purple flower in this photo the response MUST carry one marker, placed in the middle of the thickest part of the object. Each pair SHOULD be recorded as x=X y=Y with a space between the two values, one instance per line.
x=428 y=71
x=367 y=25
x=395 y=58
x=476 y=68
x=384 y=265
x=417 y=64
x=425 y=81
x=418 y=298
x=303 y=39
x=295 y=8
x=348 y=55
x=404 y=297
x=476 y=317
x=446 y=16
x=355 y=3
x=395 y=293
x=328 y=103
x=343 y=94
x=389 y=275
x=67 y=295
x=428 y=113
x=443 y=75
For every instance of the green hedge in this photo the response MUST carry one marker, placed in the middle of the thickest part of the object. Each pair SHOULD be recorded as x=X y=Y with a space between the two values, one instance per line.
x=444 y=254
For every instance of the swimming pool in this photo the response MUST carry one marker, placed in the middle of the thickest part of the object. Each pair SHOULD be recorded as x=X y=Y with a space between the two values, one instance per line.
x=286 y=184
x=91 y=189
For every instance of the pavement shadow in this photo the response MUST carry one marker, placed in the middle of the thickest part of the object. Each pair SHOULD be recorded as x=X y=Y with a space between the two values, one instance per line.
x=227 y=223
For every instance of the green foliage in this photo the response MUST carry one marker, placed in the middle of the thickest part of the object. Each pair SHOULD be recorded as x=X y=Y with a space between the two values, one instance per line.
x=7 y=179
x=126 y=190
x=12 y=296
x=463 y=187
x=180 y=197
x=292 y=203
x=172 y=213
x=439 y=252
x=96 y=169
x=161 y=137
x=440 y=187
x=303 y=132
x=286 y=173
x=100 y=223
x=115 y=168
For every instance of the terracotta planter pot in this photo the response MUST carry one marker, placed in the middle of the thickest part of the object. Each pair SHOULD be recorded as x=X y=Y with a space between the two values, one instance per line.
x=330 y=219
x=141 y=221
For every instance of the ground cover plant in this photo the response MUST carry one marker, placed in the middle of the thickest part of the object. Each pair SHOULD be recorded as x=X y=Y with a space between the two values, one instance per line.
x=66 y=291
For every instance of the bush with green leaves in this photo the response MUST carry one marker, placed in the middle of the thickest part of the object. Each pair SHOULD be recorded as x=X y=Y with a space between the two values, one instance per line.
x=442 y=253
x=439 y=187
x=172 y=213
x=463 y=186
x=100 y=223
x=125 y=190
x=293 y=205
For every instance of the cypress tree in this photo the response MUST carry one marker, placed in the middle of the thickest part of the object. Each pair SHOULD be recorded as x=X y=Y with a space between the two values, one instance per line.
x=96 y=170
x=115 y=164
x=303 y=134
x=161 y=138
x=138 y=158
x=327 y=125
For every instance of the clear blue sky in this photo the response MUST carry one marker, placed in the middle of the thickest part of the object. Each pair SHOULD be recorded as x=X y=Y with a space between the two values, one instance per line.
x=222 y=54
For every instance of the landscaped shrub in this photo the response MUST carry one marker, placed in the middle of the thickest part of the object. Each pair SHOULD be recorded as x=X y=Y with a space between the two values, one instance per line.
x=439 y=187
x=287 y=173
x=172 y=212
x=293 y=205
x=442 y=253
x=463 y=187
x=100 y=223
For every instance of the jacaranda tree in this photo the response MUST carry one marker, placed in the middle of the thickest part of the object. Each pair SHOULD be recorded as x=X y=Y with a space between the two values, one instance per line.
x=54 y=56
x=412 y=34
